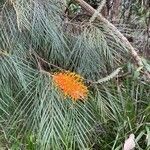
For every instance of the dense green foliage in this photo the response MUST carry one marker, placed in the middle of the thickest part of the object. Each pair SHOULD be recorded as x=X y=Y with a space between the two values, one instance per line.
x=35 y=40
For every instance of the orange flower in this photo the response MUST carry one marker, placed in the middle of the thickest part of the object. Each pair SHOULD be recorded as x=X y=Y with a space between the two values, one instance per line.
x=71 y=85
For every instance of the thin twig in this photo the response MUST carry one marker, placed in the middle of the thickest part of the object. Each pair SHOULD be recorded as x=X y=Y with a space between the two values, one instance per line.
x=4 y=53
x=37 y=56
x=39 y=65
x=46 y=72
x=97 y=11
x=18 y=14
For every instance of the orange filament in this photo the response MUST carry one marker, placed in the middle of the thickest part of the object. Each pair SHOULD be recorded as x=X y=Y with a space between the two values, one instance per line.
x=71 y=85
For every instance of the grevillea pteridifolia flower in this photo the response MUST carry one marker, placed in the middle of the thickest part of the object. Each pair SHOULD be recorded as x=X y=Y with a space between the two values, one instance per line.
x=71 y=85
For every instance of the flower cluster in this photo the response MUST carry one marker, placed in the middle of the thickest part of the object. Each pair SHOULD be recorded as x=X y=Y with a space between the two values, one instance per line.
x=71 y=85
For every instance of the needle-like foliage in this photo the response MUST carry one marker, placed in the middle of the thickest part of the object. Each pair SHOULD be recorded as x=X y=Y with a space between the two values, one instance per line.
x=34 y=114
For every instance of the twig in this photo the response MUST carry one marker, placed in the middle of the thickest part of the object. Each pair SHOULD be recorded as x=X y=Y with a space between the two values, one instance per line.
x=4 y=53
x=94 y=16
x=18 y=14
x=44 y=61
x=39 y=65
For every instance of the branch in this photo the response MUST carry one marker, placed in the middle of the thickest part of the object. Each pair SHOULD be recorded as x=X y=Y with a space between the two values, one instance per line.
x=91 y=11
x=94 y=16
x=44 y=61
